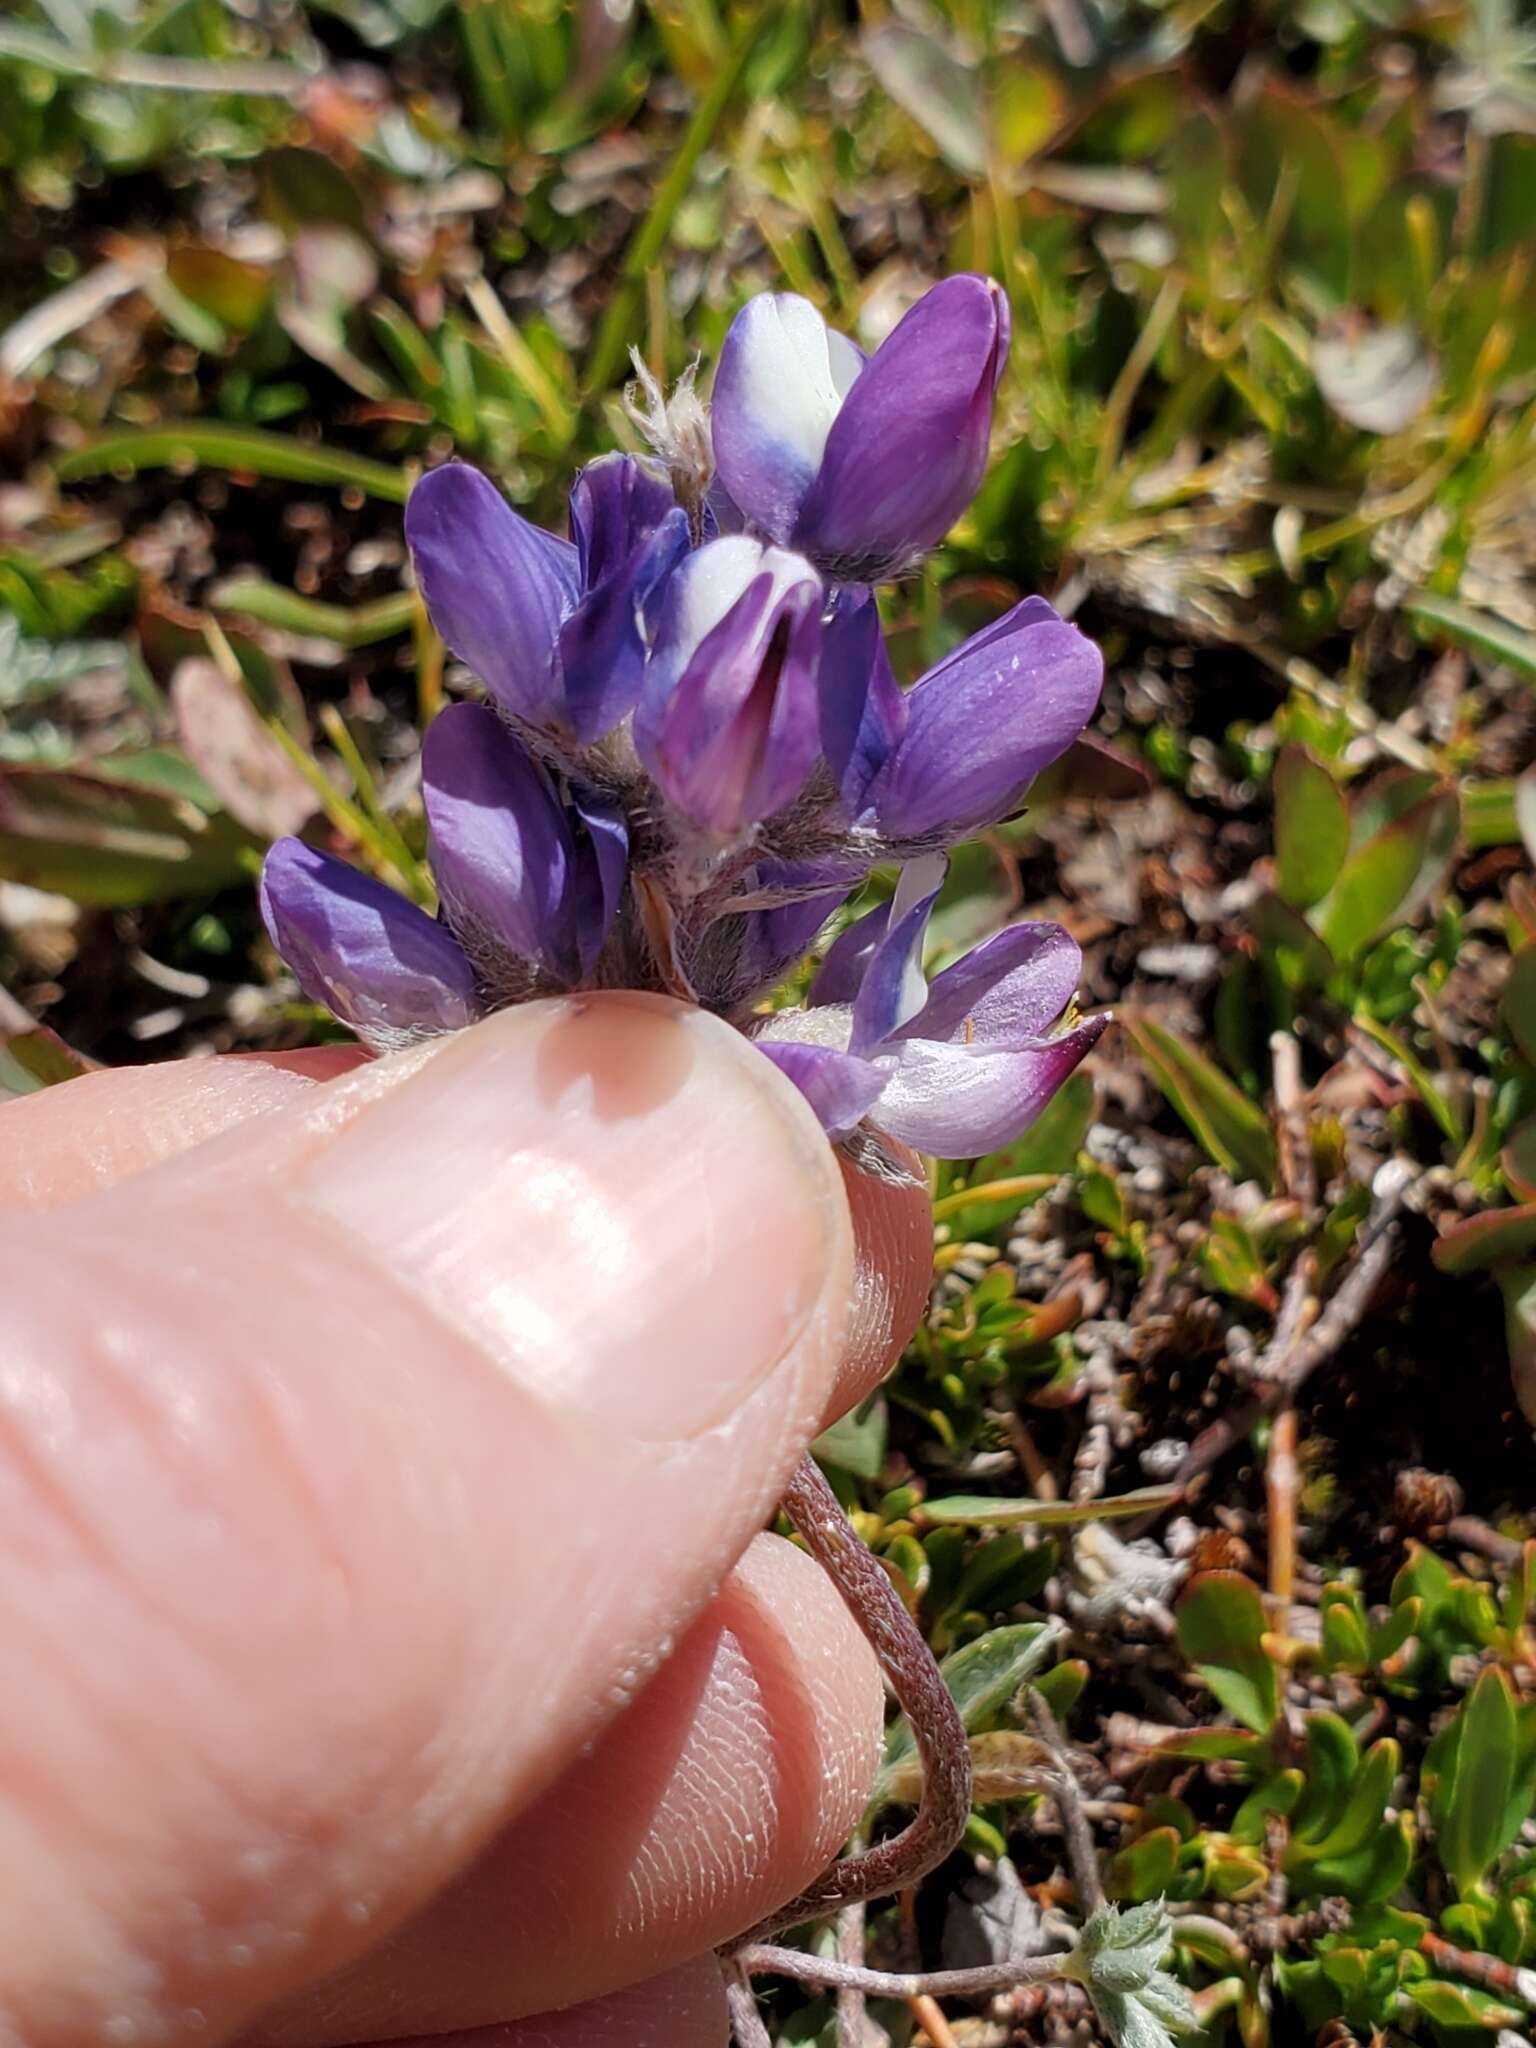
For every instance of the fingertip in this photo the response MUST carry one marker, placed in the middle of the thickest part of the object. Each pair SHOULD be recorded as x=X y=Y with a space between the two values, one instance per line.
x=892 y=1217
x=684 y=2009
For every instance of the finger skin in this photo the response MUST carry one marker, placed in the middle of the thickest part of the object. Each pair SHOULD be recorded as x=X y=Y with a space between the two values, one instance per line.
x=77 y=1139
x=66 y=1142
x=730 y=1783
x=684 y=2009
x=357 y=1467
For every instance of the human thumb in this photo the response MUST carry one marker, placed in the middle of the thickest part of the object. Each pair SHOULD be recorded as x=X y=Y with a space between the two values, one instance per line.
x=357 y=1466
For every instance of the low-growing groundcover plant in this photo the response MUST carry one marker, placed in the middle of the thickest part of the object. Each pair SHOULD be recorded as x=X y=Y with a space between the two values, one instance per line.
x=693 y=750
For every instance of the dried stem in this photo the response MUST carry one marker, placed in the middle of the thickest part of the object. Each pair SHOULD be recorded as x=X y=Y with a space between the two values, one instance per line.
x=925 y=2011
x=1506 y=1980
x=1297 y=1170
x=1081 y=1853
x=1280 y=1377
x=1282 y=1484
x=763 y=1959
x=748 y=2027
x=852 y=2020
x=914 y=1677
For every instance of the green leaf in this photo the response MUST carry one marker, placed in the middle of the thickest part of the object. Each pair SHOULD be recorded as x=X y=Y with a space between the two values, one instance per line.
x=1116 y=1960
x=1384 y=879
x=1517 y=1161
x=1471 y=1800
x=1371 y=1873
x=1364 y=1804
x=942 y=95
x=1311 y=827
x=1519 y=1003
x=1144 y=1869
x=1346 y=1646
x=982 y=1678
x=112 y=844
x=1470 y=626
x=1517 y=1284
x=1497 y=1237
x=1235 y=1134
x=273 y=604
x=1221 y=1630
x=1062 y=1686
x=1333 y=1758
x=1277 y=1794
x=1217 y=1745
x=983 y=1511
x=1460 y=2005
x=131 y=449
x=856 y=1441
x=30 y=1060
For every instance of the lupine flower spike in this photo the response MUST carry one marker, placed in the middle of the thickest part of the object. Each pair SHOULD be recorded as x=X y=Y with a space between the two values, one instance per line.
x=692 y=747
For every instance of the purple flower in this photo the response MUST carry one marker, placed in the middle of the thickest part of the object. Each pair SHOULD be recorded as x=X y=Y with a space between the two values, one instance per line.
x=553 y=628
x=977 y=729
x=378 y=962
x=956 y=1069
x=859 y=465
x=863 y=708
x=727 y=719
x=522 y=872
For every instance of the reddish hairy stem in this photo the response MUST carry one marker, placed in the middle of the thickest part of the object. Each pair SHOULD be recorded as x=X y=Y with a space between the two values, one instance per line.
x=909 y=1665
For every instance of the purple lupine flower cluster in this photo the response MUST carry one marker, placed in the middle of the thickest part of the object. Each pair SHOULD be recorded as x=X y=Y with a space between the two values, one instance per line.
x=693 y=747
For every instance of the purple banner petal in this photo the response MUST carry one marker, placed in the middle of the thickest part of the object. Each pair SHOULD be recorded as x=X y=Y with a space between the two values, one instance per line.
x=501 y=846
x=497 y=587
x=908 y=448
x=840 y=1088
x=957 y=1101
x=1007 y=990
x=380 y=964
x=782 y=376
x=616 y=503
x=984 y=722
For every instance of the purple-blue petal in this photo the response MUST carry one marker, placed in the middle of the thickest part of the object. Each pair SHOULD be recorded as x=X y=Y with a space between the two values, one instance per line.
x=893 y=989
x=727 y=723
x=780 y=381
x=839 y=1087
x=616 y=503
x=984 y=722
x=909 y=445
x=377 y=961
x=600 y=869
x=772 y=941
x=498 y=588
x=841 y=973
x=500 y=843
x=602 y=643
x=1007 y=990
x=958 y=1102
x=863 y=710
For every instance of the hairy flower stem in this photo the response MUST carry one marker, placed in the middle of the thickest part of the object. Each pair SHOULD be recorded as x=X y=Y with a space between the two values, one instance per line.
x=748 y=2027
x=763 y=1959
x=914 y=1677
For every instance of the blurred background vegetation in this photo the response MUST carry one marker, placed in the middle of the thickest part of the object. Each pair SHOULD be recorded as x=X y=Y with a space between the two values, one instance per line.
x=1220 y=1426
